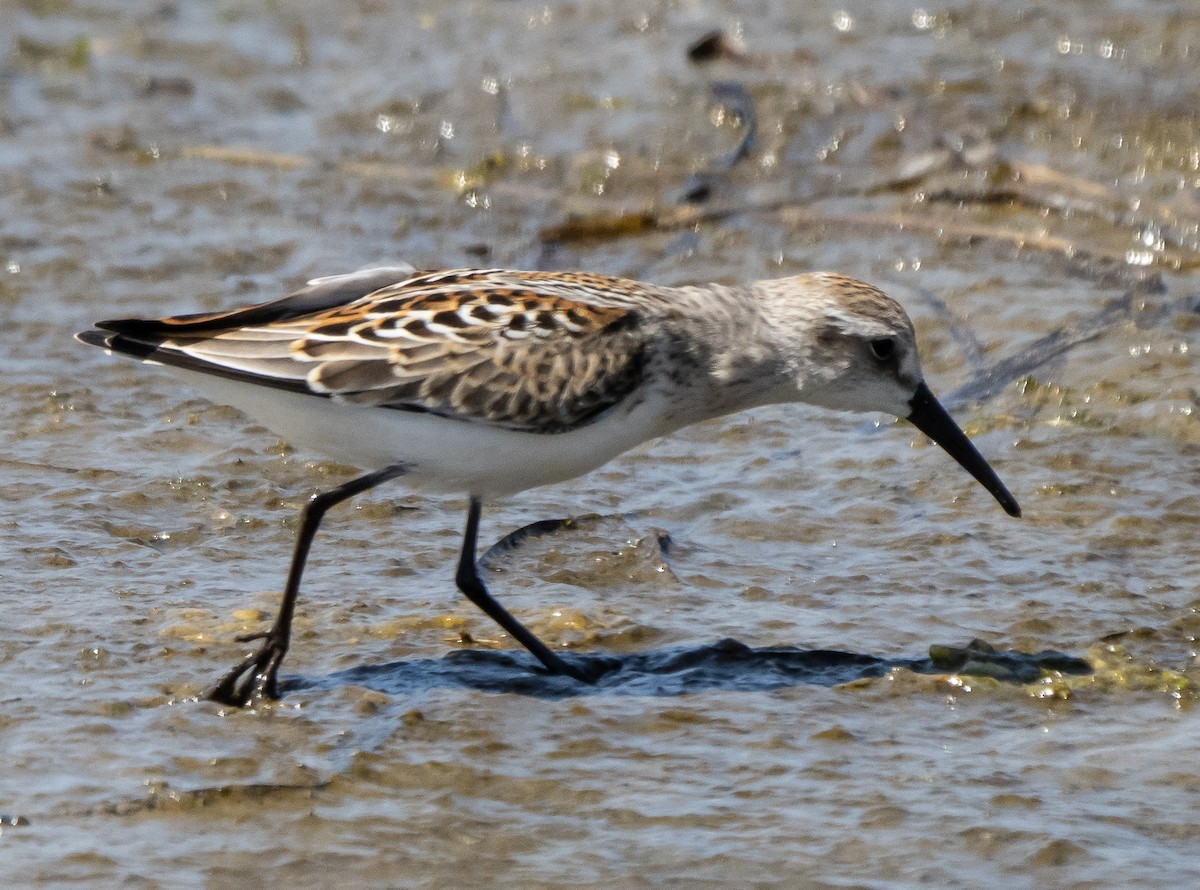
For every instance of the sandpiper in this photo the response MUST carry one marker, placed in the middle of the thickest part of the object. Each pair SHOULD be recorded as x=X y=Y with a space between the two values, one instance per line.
x=490 y=381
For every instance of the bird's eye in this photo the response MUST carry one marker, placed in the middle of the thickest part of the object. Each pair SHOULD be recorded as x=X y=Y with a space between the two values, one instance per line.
x=884 y=348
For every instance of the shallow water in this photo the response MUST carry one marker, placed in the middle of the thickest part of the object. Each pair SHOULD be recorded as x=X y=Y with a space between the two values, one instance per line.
x=769 y=586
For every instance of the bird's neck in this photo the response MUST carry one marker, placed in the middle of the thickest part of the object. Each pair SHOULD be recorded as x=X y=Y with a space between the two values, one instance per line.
x=712 y=358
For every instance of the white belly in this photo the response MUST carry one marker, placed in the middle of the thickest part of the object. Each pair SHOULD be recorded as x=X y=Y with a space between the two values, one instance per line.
x=441 y=453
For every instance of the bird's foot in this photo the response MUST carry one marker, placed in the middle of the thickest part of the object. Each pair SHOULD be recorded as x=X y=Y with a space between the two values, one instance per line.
x=255 y=678
x=585 y=670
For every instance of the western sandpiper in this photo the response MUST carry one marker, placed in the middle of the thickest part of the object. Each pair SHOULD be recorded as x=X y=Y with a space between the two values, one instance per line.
x=489 y=381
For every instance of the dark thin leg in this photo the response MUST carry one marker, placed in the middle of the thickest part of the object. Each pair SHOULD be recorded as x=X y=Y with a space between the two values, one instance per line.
x=256 y=675
x=468 y=581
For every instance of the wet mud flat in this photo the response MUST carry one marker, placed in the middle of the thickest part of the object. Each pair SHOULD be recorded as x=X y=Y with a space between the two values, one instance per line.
x=790 y=596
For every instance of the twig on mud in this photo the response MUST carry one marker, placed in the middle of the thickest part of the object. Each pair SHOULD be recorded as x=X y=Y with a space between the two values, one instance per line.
x=606 y=224
x=988 y=383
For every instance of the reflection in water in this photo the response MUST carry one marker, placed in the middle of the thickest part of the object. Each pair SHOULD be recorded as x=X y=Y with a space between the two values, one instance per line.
x=725 y=665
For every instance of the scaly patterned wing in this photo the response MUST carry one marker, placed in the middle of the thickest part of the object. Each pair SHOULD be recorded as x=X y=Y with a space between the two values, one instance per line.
x=525 y=350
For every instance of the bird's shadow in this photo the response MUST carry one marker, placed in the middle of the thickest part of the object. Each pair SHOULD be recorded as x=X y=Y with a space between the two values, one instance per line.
x=726 y=665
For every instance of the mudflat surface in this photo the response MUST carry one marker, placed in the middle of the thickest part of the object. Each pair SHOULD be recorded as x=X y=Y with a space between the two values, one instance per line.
x=783 y=591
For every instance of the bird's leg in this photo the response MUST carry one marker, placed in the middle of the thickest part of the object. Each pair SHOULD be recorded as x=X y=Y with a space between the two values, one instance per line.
x=256 y=675
x=468 y=581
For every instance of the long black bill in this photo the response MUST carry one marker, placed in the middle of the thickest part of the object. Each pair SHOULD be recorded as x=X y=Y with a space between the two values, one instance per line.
x=931 y=418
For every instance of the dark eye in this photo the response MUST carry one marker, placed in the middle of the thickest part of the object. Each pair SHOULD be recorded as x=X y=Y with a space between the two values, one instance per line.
x=883 y=349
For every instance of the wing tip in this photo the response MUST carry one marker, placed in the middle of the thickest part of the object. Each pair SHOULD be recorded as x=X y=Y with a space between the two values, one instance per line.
x=108 y=335
x=94 y=338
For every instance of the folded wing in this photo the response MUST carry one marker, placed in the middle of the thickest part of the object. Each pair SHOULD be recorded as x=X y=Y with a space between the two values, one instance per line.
x=512 y=349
